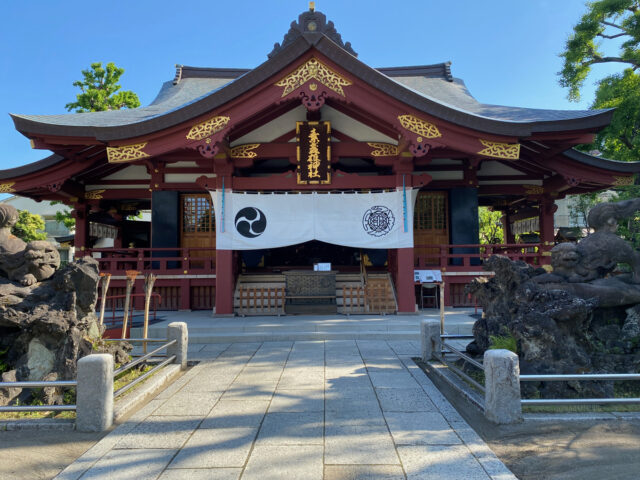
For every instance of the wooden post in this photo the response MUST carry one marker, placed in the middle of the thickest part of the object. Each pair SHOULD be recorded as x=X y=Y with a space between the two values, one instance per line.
x=105 y=279
x=149 y=280
x=131 y=278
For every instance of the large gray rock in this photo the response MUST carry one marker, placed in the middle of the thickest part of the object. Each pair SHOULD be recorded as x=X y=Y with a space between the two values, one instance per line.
x=48 y=326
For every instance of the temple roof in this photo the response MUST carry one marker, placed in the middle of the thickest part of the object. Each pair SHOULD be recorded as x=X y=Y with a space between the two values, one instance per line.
x=428 y=88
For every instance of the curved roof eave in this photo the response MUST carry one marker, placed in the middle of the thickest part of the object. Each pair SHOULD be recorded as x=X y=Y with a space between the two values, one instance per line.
x=347 y=61
x=29 y=168
x=599 y=162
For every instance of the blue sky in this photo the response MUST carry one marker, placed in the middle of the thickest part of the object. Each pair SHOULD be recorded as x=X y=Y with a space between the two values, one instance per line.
x=505 y=50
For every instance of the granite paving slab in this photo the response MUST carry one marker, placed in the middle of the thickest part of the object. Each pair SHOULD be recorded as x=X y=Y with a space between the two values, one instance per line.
x=220 y=447
x=160 y=432
x=302 y=462
x=291 y=428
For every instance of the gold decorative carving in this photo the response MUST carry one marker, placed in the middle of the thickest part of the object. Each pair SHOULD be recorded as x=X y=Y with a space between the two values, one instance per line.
x=510 y=151
x=126 y=153
x=419 y=126
x=383 y=149
x=622 y=181
x=93 y=195
x=245 y=151
x=533 y=189
x=7 y=187
x=208 y=128
x=313 y=68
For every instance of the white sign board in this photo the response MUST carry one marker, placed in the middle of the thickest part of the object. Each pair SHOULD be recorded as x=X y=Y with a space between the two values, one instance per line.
x=427 y=276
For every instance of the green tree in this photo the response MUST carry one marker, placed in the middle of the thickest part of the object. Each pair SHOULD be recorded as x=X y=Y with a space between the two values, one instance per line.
x=100 y=90
x=28 y=225
x=491 y=230
x=621 y=139
x=609 y=25
x=604 y=21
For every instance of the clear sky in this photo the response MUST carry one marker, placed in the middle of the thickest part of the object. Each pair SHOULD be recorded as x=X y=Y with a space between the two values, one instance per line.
x=505 y=50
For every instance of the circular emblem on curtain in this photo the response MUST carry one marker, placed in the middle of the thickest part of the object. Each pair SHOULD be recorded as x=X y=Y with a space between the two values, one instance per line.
x=378 y=221
x=251 y=222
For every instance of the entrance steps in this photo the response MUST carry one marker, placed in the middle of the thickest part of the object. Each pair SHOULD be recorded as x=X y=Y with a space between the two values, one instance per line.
x=263 y=294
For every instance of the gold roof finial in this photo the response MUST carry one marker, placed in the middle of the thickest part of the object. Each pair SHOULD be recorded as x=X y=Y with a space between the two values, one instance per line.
x=312 y=6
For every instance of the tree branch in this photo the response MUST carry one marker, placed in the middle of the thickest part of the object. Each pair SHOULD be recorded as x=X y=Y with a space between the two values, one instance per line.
x=597 y=59
x=615 y=25
x=611 y=36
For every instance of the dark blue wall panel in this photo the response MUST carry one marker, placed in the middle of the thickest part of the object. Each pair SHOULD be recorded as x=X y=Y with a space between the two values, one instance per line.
x=465 y=225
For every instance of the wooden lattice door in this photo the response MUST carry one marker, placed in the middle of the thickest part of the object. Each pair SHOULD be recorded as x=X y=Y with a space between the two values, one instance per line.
x=430 y=226
x=198 y=227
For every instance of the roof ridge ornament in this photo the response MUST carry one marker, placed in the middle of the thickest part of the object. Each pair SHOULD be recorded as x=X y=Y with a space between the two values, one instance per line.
x=311 y=21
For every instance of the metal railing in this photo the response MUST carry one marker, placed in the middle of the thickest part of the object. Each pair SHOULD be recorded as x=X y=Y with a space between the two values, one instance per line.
x=39 y=408
x=141 y=359
x=447 y=348
x=579 y=377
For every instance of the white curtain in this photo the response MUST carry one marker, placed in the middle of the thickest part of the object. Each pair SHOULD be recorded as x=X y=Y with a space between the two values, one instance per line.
x=249 y=221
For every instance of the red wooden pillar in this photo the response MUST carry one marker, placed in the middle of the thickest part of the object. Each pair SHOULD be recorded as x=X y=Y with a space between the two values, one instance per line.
x=81 y=239
x=405 y=289
x=547 y=209
x=404 y=260
x=224 y=282
x=225 y=273
x=509 y=237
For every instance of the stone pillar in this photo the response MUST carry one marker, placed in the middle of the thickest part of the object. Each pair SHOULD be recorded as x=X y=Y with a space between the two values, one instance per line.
x=405 y=289
x=224 y=282
x=178 y=331
x=502 y=387
x=430 y=339
x=94 y=393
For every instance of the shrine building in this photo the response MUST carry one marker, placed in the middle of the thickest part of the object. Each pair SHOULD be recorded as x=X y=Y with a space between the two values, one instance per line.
x=313 y=159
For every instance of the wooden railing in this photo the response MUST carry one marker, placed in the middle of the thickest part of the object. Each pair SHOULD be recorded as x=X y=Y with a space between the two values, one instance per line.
x=201 y=260
x=470 y=255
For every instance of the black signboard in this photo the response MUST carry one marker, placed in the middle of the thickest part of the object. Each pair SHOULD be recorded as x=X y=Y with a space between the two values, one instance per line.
x=314 y=152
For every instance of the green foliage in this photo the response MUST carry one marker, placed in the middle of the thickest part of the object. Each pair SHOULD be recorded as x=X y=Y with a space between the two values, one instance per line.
x=491 y=230
x=629 y=228
x=609 y=24
x=621 y=139
x=64 y=216
x=28 y=225
x=99 y=88
x=605 y=20
x=503 y=342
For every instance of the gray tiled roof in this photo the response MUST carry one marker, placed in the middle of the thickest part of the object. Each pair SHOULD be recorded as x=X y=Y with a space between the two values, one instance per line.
x=171 y=97
x=456 y=95
x=453 y=94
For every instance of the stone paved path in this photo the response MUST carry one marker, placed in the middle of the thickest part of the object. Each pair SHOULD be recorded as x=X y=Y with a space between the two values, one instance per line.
x=339 y=410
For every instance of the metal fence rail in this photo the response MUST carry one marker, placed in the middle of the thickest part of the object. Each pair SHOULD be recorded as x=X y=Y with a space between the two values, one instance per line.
x=141 y=359
x=129 y=385
x=581 y=377
x=462 y=355
x=590 y=377
x=38 y=408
